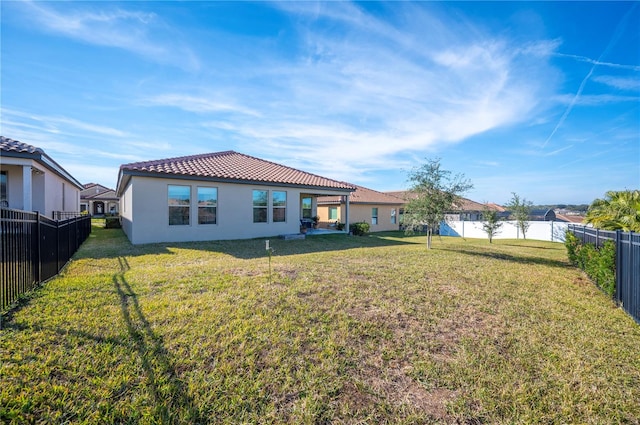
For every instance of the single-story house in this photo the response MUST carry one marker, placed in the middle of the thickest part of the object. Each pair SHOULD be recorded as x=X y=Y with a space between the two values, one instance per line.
x=30 y=180
x=570 y=218
x=217 y=196
x=98 y=200
x=380 y=210
x=466 y=210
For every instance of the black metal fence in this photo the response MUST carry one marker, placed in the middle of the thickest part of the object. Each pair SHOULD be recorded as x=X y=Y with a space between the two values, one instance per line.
x=627 y=263
x=65 y=215
x=34 y=248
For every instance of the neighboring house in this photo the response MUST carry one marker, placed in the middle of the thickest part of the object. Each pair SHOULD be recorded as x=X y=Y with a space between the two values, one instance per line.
x=31 y=180
x=217 y=196
x=98 y=200
x=467 y=210
x=380 y=210
x=570 y=218
x=542 y=215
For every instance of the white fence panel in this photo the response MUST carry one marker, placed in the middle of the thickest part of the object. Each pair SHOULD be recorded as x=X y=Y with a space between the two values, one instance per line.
x=538 y=230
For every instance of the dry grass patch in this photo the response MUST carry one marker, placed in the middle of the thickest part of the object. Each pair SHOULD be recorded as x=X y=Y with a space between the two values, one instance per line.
x=348 y=330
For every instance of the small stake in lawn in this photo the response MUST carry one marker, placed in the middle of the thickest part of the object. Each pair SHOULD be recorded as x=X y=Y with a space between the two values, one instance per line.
x=269 y=251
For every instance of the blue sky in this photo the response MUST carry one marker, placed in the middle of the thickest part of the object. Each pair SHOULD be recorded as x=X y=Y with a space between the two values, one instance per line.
x=537 y=98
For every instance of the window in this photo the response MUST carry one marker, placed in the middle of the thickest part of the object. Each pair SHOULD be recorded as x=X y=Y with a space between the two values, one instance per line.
x=179 y=202
x=260 y=205
x=393 y=216
x=333 y=213
x=3 y=189
x=279 y=206
x=374 y=216
x=401 y=215
x=207 y=205
x=306 y=207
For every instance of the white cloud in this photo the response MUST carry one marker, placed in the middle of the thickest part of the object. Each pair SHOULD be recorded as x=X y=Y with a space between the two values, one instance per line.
x=53 y=124
x=367 y=90
x=621 y=83
x=594 y=99
x=108 y=25
x=600 y=63
x=197 y=104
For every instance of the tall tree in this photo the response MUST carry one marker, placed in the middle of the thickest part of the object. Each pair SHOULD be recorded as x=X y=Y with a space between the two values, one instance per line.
x=491 y=223
x=433 y=193
x=617 y=211
x=520 y=210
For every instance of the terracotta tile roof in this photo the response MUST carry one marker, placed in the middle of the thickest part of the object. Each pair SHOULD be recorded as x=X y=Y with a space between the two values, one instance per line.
x=469 y=205
x=362 y=195
x=230 y=165
x=578 y=219
x=402 y=194
x=465 y=205
x=496 y=207
x=10 y=145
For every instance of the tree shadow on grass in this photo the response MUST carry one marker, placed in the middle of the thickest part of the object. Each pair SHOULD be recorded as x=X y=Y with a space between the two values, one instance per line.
x=255 y=248
x=172 y=404
x=119 y=245
x=509 y=257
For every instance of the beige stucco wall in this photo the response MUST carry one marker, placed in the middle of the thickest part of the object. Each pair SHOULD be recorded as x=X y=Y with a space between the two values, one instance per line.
x=46 y=188
x=145 y=212
x=323 y=213
x=362 y=213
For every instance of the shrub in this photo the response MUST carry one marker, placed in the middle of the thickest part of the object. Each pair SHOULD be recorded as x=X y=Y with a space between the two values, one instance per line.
x=359 y=229
x=112 y=222
x=572 y=243
x=598 y=264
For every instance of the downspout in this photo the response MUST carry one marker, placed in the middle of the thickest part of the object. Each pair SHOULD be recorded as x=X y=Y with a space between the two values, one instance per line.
x=346 y=214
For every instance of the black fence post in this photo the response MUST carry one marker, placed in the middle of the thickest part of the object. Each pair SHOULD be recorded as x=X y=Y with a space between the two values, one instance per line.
x=57 y=246
x=618 y=267
x=39 y=247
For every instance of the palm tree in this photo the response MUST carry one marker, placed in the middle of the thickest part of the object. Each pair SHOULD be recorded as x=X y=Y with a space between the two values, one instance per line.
x=617 y=211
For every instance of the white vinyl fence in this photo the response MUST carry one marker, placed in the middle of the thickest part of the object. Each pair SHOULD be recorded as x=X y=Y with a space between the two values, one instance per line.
x=539 y=230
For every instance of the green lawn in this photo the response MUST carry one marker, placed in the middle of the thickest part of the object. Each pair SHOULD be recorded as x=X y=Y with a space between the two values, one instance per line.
x=348 y=330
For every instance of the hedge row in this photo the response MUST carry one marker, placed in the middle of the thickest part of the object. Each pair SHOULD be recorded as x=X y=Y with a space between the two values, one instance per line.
x=598 y=264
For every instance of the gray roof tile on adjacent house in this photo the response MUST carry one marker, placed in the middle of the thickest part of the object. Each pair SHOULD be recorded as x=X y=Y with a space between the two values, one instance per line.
x=18 y=149
x=10 y=145
x=234 y=166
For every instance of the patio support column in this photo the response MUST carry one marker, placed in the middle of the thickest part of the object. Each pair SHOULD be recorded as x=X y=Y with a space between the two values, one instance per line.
x=346 y=214
x=26 y=188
